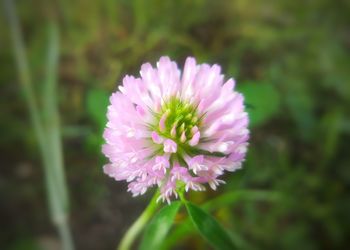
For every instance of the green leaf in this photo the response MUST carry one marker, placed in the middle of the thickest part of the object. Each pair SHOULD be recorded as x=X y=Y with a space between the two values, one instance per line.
x=97 y=102
x=209 y=228
x=262 y=101
x=158 y=228
x=178 y=234
x=227 y=199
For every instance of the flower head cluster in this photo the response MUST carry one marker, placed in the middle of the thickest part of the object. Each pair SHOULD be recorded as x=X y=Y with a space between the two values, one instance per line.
x=173 y=129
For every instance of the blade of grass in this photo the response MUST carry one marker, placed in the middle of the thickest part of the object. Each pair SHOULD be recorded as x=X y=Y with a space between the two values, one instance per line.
x=48 y=137
x=50 y=112
x=53 y=136
x=23 y=70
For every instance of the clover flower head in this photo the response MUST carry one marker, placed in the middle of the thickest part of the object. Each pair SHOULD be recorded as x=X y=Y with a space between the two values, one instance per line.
x=174 y=129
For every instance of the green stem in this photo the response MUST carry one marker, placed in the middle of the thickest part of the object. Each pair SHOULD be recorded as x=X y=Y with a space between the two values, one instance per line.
x=181 y=193
x=132 y=233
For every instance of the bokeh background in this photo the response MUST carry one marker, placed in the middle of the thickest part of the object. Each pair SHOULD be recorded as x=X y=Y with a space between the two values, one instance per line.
x=289 y=58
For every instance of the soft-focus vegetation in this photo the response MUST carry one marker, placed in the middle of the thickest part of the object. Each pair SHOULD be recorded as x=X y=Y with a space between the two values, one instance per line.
x=289 y=58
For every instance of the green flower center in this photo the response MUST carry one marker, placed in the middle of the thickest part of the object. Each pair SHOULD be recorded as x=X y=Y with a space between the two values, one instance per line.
x=178 y=120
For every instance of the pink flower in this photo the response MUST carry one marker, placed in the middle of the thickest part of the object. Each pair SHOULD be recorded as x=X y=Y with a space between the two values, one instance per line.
x=171 y=129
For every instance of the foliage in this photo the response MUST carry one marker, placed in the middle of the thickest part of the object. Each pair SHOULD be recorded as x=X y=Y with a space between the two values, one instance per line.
x=158 y=228
x=209 y=228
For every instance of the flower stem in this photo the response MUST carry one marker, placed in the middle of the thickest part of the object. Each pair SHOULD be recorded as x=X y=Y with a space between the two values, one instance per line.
x=182 y=196
x=132 y=233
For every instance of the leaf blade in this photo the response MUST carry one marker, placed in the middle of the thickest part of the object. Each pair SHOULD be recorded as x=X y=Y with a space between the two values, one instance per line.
x=209 y=228
x=158 y=228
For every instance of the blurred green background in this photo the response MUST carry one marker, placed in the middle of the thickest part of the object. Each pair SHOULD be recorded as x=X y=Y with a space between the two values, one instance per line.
x=290 y=59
